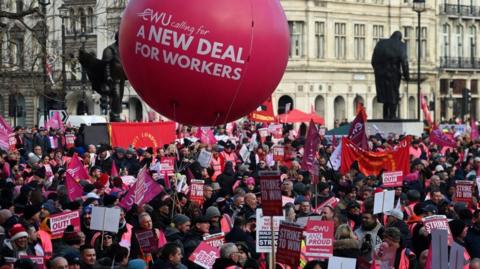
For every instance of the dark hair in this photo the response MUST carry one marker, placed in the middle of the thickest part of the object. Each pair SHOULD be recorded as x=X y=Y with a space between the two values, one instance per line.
x=85 y=247
x=239 y=221
x=169 y=249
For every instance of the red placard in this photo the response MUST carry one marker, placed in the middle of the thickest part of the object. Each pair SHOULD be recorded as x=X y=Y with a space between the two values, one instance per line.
x=205 y=255
x=463 y=191
x=59 y=222
x=167 y=165
x=40 y=261
x=392 y=179
x=196 y=191
x=289 y=244
x=271 y=194
x=319 y=239
x=278 y=153
x=332 y=202
x=215 y=240
x=147 y=241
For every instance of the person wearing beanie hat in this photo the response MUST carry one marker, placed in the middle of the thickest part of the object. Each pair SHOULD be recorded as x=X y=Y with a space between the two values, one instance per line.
x=31 y=214
x=193 y=238
x=137 y=264
x=395 y=219
x=17 y=245
x=214 y=215
x=182 y=225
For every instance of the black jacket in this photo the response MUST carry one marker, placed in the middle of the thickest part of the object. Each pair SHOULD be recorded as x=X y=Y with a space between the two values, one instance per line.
x=222 y=263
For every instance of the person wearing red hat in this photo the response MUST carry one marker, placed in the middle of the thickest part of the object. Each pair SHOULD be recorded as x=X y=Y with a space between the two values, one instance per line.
x=17 y=245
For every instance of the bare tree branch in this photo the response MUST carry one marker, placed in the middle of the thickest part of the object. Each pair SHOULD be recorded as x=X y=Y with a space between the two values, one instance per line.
x=20 y=15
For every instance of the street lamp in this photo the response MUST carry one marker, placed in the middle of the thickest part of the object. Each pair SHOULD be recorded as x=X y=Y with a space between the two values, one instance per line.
x=64 y=13
x=419 y=7
x=83 y=40
x=44 y=4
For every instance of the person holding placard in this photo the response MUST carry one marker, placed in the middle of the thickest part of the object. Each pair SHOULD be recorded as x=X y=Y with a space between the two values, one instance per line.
x=146 y=239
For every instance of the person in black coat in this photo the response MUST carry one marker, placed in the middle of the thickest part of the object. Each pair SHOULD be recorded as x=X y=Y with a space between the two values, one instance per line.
x=395 y=219
x=226 y=180
x=228 y=257
x=472 y=240
x=241 y=233
x=194 y=238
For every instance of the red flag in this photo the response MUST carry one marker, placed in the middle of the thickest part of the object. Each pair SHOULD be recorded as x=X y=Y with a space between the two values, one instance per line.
x=139 y=135
x=373 y=163
x=311 y=146
x=474 y=133
x=75 y=172
x=265 y=115
x=426 y=112
x=114 y=171
x=357 y=133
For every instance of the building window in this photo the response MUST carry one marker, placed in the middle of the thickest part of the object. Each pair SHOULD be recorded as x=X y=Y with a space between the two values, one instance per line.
x=296 y=38
x=423 y=41
x=459 y=40
x=83 y=21
x=340 y=40
x=72 y=21
x=407 y=37
x=472 y=37
x=319 y=39
x=19 y=6
x=90 y=20
x=16 y=52
x=377 y=33
x=446 y=40
x=359 y=41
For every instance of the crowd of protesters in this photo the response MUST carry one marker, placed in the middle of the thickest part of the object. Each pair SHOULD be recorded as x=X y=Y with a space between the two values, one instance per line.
x=32 y=187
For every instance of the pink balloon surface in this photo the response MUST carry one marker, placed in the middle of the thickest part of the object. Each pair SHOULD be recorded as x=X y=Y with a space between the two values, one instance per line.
x=204 y=62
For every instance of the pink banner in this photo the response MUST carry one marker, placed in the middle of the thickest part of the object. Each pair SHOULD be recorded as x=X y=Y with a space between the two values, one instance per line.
x=426 y=112
x=474 y=133
x=55 y=122
x=310 y=148
x=441 y=139
x=60 y=222
x=392 y=179
x=5 y=127
x=205 y=134
x=143 y=191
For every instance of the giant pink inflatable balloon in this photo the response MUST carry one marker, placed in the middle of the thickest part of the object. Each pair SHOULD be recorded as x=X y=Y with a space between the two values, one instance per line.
x=204 y=62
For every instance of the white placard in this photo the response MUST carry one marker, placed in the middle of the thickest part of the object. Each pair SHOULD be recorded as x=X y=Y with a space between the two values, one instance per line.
x=383 y=201
x=105 y=219
x=204 y=158
x=341 y=263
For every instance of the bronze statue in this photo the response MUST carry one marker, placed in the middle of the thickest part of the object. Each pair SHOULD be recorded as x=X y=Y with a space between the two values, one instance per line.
x=388 y=57
x=107 y=77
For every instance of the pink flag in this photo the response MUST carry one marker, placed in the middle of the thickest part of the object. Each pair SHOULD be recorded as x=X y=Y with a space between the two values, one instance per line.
x=75 y=171
x=114 y=171
x=142 y=192
x=5 y=127
x=474 y=133
x=311 y=146
x=357 y=133
x=205 y=134
x=441 y=139
x=5 y=131
x=55 y=122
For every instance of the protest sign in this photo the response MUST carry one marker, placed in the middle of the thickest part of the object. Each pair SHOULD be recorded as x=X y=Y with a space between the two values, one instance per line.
x=204 y=158
x=263 y=132
x=12 y=142
x=437 y=222
x=463 y=191
x=286 y=200
x=271 y=194
x=341 y=263
x=69 y=141
x=196 y=191
x=392 y=179
x=318 y=239
x=289 y=244
x=439 y=249
x=276 y=130
x=147 y=241
x=383 y=201
x=40 y=261
x=244 y=152
x=105 y=219
x=205 y=255
x=59 y=222
x=167 y=165
x=128 y=180
x=278 y=153
x=478 y=183
x=264 y=231
x=215 y=240
x=332 y=202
